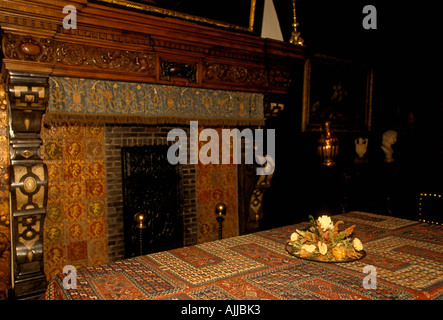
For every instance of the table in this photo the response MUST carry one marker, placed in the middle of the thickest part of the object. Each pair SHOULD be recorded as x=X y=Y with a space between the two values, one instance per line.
x=406 y=255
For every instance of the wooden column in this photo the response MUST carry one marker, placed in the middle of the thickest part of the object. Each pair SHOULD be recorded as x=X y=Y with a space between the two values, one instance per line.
x=28 y=98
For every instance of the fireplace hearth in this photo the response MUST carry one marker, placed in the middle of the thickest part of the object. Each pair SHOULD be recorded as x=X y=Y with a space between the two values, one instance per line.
x=152 y=187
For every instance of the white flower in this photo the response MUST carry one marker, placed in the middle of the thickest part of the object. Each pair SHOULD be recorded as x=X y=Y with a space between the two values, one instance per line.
x=322 y=247
x=294 y=236
x=308 y=247
x=357 y=244
x=325 y=222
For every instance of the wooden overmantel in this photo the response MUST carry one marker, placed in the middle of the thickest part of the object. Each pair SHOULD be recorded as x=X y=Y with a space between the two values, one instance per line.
x=117 y=44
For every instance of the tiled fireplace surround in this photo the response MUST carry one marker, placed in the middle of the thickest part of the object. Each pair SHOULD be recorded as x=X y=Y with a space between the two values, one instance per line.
x=87 y=228
x=117 y=137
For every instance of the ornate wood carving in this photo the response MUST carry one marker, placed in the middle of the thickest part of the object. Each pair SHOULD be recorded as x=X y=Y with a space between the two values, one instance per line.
x=132 y=47
x=173 y=69
x=36 y=49
x=28 y=97
x=28 y=48
x=234 y=74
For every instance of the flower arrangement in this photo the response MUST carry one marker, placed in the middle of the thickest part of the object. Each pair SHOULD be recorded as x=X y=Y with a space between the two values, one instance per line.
x=323 y=241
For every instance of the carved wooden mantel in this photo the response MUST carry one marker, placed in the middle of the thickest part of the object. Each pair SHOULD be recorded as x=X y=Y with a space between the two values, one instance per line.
x=110 y=43
x=115 y=44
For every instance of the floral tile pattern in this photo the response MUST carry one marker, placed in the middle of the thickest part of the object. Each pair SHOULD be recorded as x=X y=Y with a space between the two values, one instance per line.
x=216 y=183
x=75 y=225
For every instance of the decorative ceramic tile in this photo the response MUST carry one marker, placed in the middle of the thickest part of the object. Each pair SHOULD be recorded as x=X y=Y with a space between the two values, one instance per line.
x=95 y=169
x=217 y=194
x=203 y=195
x=94 y=148
x=73 y=169
x=97 y=251
x=77 y=251
x=54 y=212
x=53 y=149
x=74 y=190
x=95 y=189
x=75 y=231
x=55 y=255
x=54 y=234
x=55 y=191
x=73 y=149
x=55 y=170
x=73 y=131
x=230 y=193
x=216 y=183
x=92 y=131
x=203 y=178
x=96 y=228
x=74 y=155
x=74 y=211
x=95 y=208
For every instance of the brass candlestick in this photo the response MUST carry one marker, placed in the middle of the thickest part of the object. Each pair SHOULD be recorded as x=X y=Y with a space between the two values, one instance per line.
x=140 y=218
x=295 y=36
x=220 y=211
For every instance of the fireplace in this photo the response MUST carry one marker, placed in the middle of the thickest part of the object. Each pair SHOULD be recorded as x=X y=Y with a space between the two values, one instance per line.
x=134 y=156
x=152 y=200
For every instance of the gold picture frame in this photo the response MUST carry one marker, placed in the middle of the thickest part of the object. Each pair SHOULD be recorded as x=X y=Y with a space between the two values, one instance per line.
x=149 y=6
x=337 y=90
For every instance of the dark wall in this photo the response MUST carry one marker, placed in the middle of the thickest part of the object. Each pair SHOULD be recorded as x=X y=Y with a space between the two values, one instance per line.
x=407 y=98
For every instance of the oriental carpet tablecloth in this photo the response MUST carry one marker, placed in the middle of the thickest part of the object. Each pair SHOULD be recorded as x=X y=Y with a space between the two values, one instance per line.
x=407 y=256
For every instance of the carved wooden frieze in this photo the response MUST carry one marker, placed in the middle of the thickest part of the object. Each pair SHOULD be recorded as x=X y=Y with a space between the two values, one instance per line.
x=69 y=57
x=30 y=48
x=104 y=58
x=234 y=74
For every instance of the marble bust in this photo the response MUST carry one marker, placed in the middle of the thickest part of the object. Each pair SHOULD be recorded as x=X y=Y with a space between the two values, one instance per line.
x=388 y=139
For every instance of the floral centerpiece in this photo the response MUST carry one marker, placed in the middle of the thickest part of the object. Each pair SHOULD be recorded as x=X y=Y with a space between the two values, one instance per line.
x=323 y=241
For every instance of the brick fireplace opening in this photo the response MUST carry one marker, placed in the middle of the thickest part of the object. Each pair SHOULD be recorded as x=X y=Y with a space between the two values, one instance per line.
x=151 y=200
x=118 y=137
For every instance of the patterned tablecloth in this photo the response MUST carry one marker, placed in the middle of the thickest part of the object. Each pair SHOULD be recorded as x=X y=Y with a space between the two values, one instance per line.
x=407 y=256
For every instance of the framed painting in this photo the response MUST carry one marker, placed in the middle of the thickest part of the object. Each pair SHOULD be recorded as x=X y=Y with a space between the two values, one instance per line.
x=339 y=91
x=231 y=14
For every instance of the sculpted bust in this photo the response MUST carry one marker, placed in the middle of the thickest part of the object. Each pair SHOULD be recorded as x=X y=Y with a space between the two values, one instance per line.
x=389 y=138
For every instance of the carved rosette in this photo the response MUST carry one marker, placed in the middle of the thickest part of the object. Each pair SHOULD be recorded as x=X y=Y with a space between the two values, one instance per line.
x=28 y=48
